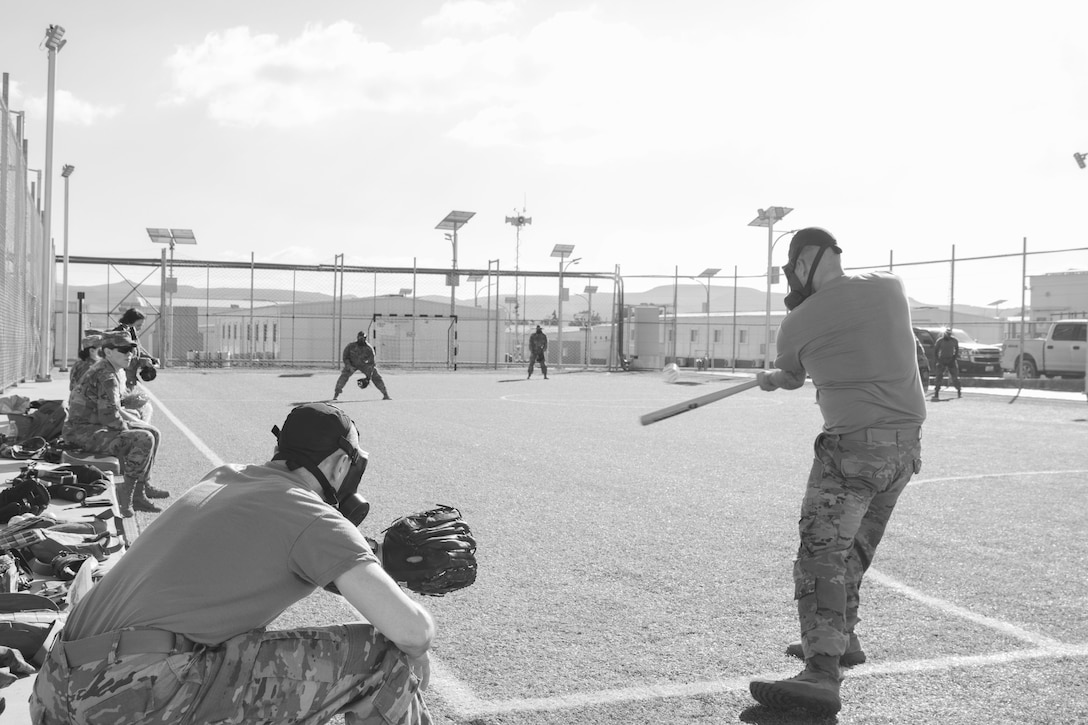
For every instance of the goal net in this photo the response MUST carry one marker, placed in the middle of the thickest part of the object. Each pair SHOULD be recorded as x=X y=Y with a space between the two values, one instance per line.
x=412 y=339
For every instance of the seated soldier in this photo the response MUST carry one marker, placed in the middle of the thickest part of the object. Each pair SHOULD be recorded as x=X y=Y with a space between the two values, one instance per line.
x=99 y=424
x=134 y=397
x=175 y=630
x=88 y=356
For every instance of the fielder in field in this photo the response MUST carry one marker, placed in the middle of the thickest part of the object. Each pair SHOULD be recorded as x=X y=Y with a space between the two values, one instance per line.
x=359 y=355
x=538 y=345
x=852 y=334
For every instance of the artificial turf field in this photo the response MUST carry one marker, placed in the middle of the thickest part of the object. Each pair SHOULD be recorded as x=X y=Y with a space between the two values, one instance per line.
x=634 y=574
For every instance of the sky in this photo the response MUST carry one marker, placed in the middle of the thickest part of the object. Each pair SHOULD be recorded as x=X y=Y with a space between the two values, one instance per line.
x=646 y=134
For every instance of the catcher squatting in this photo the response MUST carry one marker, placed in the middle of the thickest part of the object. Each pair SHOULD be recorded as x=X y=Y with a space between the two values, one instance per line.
x=173 y=634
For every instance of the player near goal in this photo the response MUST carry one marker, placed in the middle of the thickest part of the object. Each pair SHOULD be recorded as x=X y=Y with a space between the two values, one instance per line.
x=359 y=355
x=538 y=344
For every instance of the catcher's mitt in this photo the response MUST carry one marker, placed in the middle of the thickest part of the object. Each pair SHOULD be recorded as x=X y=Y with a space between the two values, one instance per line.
x=430 y=552
x=363 y=382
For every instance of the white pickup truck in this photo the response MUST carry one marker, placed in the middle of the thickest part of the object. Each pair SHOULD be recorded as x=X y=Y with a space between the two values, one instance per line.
x=1063 y=352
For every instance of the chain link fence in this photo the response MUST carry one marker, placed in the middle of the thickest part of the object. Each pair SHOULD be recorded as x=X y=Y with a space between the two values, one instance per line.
x=208 y=314
x=214 y=314
x=21 y=235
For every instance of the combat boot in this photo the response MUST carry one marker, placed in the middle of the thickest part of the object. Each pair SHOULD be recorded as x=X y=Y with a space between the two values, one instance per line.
x=140 y=501
x=815 y=689
x=152 y=492
x=124 y=490
x=854 y=654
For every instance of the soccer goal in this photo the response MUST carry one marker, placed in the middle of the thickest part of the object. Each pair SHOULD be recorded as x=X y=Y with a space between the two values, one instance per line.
x=414 y=339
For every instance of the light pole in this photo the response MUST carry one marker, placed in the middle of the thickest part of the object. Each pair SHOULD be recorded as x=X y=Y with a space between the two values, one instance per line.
x=65 y=172
x=54 y=35
x=562 y=251
x=517 y=356
x=170 y=237
x=454 y=221
x=767 y=218
x=518 y=220
x=708 y=273
x=589 y=290
x=475 y=280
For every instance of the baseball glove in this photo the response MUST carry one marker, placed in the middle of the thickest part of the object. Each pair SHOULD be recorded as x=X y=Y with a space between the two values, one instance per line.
x=363 y=382
x=430 y=552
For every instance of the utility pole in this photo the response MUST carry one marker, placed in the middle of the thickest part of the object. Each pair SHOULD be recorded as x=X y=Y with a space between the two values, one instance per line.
x=518 y=220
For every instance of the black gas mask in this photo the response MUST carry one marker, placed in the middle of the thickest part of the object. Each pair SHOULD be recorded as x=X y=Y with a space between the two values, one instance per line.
x=347 y=500
x=809 y=237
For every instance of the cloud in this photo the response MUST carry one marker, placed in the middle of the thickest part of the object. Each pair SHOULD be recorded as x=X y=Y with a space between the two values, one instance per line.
x=67 y=108
x=585 y=87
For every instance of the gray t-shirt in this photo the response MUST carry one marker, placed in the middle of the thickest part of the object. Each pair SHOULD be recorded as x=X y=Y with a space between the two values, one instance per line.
x=227 y=557
x=854 y=339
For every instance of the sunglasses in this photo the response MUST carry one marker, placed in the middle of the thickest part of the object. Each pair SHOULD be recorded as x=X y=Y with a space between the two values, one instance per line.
x=124 y=348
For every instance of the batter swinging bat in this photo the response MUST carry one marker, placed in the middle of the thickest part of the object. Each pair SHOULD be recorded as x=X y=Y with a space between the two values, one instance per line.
x=694 y=403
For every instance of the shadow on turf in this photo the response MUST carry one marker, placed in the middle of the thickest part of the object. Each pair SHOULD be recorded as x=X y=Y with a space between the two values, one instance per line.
x=330 y=401
x=760 y=715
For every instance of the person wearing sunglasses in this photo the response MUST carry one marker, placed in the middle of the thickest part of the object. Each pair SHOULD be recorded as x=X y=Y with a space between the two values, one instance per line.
x=176 y=630
x=99 y=423
x=852 y=334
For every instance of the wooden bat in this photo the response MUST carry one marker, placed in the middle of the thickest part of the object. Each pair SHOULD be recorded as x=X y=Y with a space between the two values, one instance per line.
x=678 y=408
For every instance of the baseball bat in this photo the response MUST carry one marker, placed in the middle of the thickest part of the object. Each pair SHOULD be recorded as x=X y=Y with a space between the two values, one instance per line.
x=678 y=408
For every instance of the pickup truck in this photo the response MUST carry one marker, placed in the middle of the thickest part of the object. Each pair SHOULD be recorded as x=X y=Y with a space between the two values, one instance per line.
x=975 y=358
x=1062 y=353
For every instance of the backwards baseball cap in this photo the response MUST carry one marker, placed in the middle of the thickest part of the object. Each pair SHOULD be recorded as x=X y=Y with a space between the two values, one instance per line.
x=116 y=339
x=310 y=434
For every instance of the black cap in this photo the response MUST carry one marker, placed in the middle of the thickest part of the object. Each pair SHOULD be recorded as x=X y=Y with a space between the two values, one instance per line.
x=310 y=433
x=811 y=237
x=361 y=334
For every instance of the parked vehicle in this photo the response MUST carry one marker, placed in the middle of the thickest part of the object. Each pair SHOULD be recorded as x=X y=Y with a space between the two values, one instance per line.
x=1062 y=353
x=975 y=358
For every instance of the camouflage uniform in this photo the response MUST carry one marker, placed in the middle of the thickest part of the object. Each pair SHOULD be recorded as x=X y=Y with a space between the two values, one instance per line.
x=852 y=489
x=134 y=397
x=291 y=676
x=538 y=344
x=359 y=355
x=95 y=424
x=78 y=369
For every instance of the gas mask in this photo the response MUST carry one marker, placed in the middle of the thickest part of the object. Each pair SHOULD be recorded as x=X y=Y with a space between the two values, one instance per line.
x=800 y=291
x=347 y=500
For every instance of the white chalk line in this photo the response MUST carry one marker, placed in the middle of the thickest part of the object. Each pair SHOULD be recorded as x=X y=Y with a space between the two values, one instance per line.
x=460 y=698
x=740 y=684
x=1002 y=474
x=215 y=460
x=468 y=705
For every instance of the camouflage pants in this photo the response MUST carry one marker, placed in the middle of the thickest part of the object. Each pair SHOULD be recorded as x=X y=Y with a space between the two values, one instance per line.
x=372 y=373
x=953 y=375
x=290 y=676
x=135 y=448
x=537 y=357
x=852 y=489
